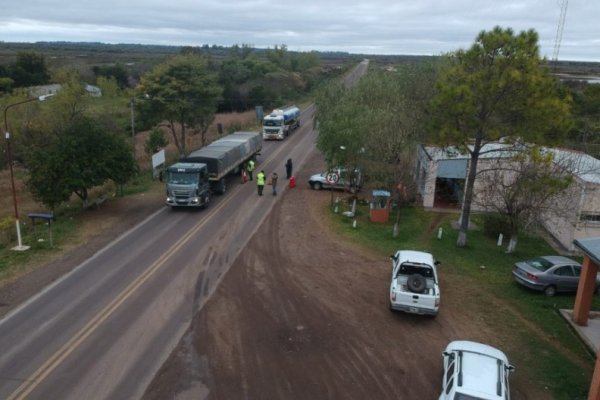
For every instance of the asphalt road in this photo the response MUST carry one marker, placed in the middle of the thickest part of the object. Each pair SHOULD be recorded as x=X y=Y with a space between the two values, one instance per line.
x=106 y=328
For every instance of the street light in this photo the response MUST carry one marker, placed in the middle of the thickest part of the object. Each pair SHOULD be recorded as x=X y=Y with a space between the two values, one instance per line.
x=20 y=246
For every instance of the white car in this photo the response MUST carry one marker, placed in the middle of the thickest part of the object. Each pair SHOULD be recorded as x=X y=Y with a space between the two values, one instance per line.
x=337 y=178
x=415 y=286
x=475 y=371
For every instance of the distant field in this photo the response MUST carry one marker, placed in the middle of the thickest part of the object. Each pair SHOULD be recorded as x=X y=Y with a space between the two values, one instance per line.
x=90 y=53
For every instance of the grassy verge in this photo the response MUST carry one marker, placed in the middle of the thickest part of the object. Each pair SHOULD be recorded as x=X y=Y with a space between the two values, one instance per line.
x=63 y=231
x=534 y=335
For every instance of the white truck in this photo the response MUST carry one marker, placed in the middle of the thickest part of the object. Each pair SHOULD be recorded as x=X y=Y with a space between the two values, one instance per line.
x=281 y=122
x=415 y=286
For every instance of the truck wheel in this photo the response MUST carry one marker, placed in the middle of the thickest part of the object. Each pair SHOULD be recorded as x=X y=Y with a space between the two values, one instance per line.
x=222 y=187
x=416 y=283
x=206 y=200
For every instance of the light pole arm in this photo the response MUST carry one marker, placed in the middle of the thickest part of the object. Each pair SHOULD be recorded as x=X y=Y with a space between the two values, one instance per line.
x=40 y=98
x=6 y=109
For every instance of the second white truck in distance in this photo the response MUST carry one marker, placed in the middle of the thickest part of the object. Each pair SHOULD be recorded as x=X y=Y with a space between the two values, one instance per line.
x=415 y=286
x=281 y=122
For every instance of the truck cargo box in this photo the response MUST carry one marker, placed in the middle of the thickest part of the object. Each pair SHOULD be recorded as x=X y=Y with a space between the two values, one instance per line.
x=226 y=154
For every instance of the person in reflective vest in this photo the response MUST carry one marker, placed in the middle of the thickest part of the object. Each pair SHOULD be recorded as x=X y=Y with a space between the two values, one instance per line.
x=260 y=182
x=250 y=168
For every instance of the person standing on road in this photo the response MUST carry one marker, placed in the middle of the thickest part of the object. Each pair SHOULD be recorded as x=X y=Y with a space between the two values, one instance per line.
x=250 y=168
x=260 y=182
x=274 y=183
x=288 y=169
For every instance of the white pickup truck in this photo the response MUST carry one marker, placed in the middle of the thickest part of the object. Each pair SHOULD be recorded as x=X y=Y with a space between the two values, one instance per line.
x=415 y=286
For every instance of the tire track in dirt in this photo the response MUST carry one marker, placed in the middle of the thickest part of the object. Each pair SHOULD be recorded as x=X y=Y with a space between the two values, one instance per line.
x=303 y=314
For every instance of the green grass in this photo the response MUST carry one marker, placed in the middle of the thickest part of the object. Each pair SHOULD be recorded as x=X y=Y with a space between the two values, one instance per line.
x=13 y=263
x=64 y=230
x=536 y=337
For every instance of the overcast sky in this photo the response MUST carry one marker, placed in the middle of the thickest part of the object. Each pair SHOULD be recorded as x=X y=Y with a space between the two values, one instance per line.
x=427 y=27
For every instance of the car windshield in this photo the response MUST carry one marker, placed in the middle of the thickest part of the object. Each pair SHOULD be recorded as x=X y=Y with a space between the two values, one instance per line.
x=540 y=264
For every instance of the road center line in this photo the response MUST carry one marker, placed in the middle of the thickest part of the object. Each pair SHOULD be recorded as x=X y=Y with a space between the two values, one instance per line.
x=59 y=356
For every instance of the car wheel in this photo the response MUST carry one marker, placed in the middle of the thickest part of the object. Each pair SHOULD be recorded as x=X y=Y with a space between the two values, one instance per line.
x=317 y=185
x=550 y=291
x=416 y=283
x=390 y=306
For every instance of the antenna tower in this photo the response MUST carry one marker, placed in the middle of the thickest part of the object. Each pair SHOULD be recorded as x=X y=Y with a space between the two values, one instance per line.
x=559 y=30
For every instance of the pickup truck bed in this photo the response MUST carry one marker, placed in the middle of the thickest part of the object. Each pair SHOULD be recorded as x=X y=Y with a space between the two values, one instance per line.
x=414 y=287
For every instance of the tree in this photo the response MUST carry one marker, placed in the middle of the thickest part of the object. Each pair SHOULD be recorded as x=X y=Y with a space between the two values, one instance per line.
x=116 y=72
x=156 y=141
x=497 y=88
x=301 y=62
x=71 y=103
x=6 y=84
x=82 y=157
x=587 y=114
x=109 y=86
x=183 y=92
x=525 y=188
x=279 y=56
x=29 y=69
x=376 y=125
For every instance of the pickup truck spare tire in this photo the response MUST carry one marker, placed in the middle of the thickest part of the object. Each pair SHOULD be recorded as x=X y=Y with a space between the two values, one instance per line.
x=416 y=283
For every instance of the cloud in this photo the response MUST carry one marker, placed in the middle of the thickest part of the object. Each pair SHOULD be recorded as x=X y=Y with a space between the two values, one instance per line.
x=366 y=27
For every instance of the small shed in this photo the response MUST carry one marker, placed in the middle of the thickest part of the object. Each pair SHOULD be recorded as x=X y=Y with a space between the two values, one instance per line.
x=380 y=206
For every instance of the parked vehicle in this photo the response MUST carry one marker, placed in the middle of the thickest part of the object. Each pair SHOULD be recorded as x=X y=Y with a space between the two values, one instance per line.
x=281 y=122
x=475 y=371
x=337 y=178
x=415 y=285
x=217 y=160
x=550 y=274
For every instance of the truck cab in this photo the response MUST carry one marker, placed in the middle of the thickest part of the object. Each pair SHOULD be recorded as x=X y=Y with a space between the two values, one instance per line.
x=281 y=122
x=187 y=185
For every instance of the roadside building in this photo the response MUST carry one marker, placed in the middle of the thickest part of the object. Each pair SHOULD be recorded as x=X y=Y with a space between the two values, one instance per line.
x=441 y=175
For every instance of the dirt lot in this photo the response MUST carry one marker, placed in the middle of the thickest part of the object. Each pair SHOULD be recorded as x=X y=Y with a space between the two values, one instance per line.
x=302 y=314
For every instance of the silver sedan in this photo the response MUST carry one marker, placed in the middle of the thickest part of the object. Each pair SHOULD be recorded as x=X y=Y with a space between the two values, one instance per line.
x=550 y=274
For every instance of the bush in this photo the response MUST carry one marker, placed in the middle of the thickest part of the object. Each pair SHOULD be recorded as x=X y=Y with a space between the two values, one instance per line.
x=494 y=224
x=156 y=141
x=7 y=230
